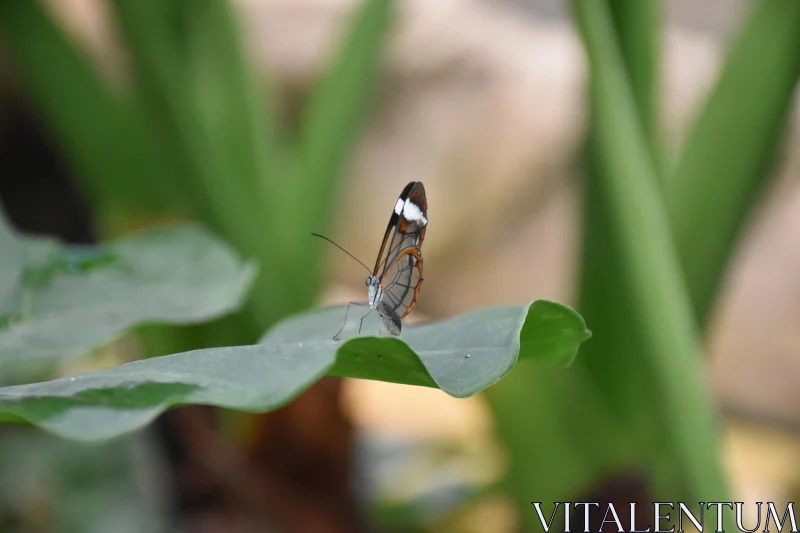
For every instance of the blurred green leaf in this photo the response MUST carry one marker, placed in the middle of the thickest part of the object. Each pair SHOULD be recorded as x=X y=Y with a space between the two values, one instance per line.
x=236 y=131
x=329 y=126
x=161 y=74
x=461 y=356
x=340 y=101
x=562 y=427
x=245 y=179
x=558 y=431
x=617 y=352
x=604 y=293
x=638 y=29
x=210 y=118
x=76 y=298
x=650 y=270
x=11 y=268
x=47 y=484
x=622 y=380
x=103 y=134
x=729 y=149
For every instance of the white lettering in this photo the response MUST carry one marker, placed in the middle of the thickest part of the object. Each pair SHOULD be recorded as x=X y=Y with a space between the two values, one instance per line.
x=771 y=511
x=658 y=517
x=740 y=520
x=538 y=507
x=615 y=520
x=698 y=524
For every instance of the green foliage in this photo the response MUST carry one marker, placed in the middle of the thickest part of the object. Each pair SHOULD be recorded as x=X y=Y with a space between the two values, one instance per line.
x=12 y=265
x=650 y=274
x=48 y=484
x=195 y=132
x=461 y=356
x=249 y=178
x=730 y=148
x=192 y=132
x=68 y=300
x=634 y=400
x=104 y=133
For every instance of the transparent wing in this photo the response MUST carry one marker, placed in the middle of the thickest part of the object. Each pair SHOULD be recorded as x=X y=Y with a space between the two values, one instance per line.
x=390 y=319
x=401 y=241
x=401 y=284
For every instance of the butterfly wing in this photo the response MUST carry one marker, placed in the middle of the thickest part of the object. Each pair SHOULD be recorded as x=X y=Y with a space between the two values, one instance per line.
x=390 y=319
x=406 y=226
x=399 y=264
x=401 y=284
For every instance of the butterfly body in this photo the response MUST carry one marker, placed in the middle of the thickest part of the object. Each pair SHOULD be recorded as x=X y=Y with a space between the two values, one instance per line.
x=375 y=299
x=374 y=291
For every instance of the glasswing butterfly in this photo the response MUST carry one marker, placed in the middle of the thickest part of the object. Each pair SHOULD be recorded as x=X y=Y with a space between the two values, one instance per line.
x=393 y=284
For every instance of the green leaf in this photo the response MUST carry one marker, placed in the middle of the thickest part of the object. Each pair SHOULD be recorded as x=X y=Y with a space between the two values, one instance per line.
x=553 y=329
x=559 y=434
x=76 y=298
x=637 y=24
x=727 y=153
x=461 y=356
x=100 y=132
x=243 y=177
x=558 y=429
x=340 y=102
x=11 y=265
x=651 y=274
x=329 y=126
x=89 y=488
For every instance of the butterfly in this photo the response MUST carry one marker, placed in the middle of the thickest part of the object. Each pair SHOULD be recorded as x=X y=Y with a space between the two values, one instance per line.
x=394 y=283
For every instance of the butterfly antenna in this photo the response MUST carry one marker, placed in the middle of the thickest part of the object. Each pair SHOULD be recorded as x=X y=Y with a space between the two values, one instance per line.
x=342 y=249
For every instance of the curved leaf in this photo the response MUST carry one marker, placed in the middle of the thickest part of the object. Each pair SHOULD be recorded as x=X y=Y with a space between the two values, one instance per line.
x=75 y=298
x=461 y=356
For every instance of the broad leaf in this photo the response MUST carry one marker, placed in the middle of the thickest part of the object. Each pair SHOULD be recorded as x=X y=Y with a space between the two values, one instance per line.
x=75 y=298
x=11 y=265
x=461 y=356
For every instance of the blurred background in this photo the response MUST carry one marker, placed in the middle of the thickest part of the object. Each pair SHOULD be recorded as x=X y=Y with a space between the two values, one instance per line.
x=270 y=119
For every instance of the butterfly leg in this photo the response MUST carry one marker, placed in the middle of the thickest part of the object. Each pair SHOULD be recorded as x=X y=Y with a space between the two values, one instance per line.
x=336 y=337
x=361 y=323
